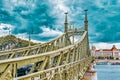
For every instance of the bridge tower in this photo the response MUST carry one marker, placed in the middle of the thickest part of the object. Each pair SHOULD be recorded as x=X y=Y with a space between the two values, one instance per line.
x=86 y=21
x=66 y=23
x=67 y=39
x=58 y=59
x=86 y=29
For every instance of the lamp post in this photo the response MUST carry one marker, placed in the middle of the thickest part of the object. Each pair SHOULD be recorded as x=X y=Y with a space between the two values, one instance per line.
x=9 y=31
x=30 y=33
x=29 y=39
x=9 y=35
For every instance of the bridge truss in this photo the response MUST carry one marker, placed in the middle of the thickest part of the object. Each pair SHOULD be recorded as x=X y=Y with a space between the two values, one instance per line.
x=59 y=59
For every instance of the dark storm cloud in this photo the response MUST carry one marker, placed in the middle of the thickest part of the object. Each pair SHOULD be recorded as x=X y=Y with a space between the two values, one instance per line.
x=25 y=15
x=42 y=39
x=5 y=17
x=106 y=26
x=104 y=19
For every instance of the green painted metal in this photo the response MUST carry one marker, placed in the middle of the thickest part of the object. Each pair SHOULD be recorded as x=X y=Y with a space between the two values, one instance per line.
x=59 y=59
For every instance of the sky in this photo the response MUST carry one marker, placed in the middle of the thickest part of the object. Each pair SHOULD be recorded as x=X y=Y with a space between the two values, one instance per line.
x=45 y=18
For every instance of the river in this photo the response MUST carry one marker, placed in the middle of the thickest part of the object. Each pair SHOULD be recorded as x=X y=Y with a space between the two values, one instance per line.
x=108 y=72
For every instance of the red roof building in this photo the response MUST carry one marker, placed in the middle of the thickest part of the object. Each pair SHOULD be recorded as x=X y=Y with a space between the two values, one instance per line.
x=113 y=52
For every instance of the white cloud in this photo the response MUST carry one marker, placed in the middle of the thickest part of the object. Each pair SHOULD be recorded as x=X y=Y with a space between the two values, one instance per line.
x=102 y=3
x=59 y=6
x=107 y=3
x=10 y=5
x=47 y=32
x=106 y=45
x=22 y=36
x=59 y=9
x=25 y=37
x=4 y=32
x=118 y=1
x=76 y=38
x=2 y=25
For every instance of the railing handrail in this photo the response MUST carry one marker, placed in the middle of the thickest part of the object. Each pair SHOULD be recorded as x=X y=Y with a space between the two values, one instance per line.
x=29 y=47
x=42 y=54
x=49 y=69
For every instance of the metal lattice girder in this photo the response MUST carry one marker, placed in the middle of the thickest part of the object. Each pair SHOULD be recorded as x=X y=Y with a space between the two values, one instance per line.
x=59 y=59
x=59 y=71
x=64 y=56
x=55 y=44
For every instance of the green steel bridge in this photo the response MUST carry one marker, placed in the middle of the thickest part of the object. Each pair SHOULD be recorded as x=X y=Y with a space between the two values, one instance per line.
x=59 y=59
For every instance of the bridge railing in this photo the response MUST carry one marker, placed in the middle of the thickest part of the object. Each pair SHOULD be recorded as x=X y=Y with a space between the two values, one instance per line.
x=36 y=49
x=39 y=62
x=72 y=71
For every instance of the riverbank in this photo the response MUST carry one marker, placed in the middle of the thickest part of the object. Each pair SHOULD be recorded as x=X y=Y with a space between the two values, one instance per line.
x=114 y=62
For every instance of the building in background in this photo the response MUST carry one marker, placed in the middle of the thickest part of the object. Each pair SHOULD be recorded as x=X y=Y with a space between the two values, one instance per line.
x=106 y=53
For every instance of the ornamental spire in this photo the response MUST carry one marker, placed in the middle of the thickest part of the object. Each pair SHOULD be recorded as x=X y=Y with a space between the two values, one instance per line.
x=86 y=21
x=66 y=22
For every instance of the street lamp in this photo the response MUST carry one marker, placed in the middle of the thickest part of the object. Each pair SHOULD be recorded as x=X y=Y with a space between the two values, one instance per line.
x=9 y=31
x=30 y=33
x=29 y=39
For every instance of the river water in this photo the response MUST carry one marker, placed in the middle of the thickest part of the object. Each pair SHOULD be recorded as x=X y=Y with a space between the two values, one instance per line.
x=108 y=72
